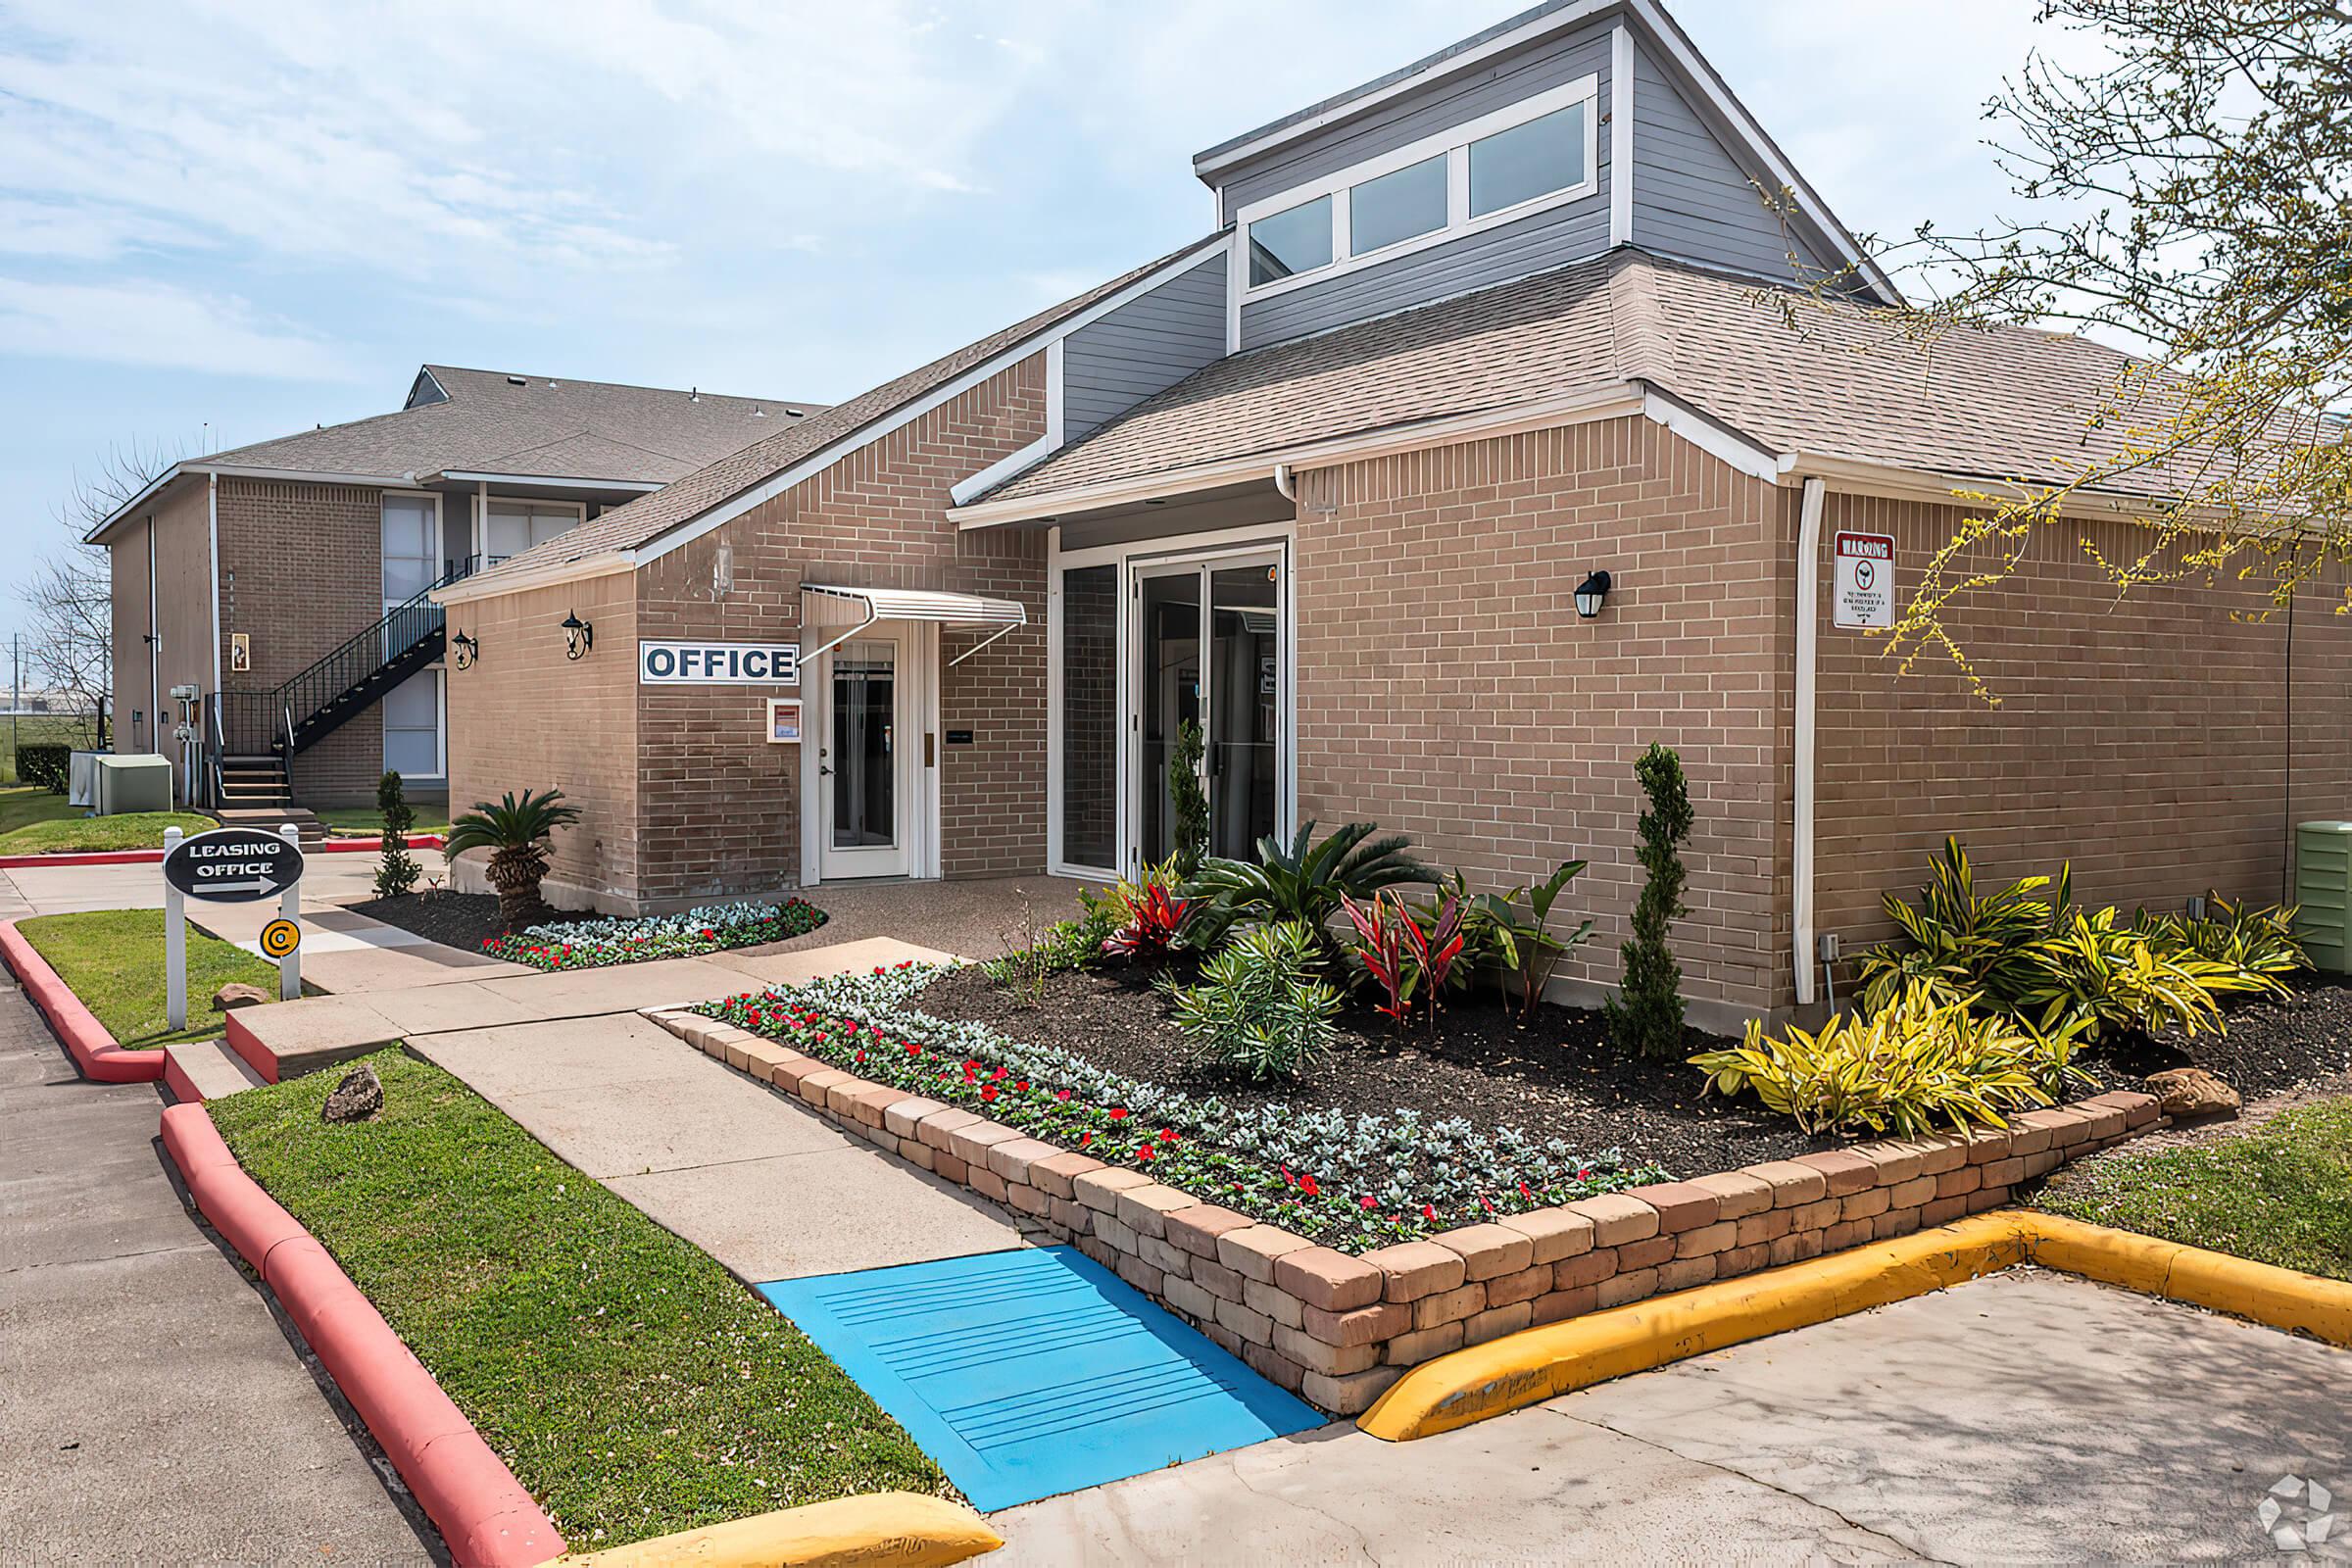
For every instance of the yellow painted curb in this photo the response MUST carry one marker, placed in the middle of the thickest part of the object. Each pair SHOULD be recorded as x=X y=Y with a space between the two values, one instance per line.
x=900 y=1529
x=1536 y=1365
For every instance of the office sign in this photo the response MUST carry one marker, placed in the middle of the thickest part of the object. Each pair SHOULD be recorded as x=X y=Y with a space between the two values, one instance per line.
x=232 y=865
x=697 y=664
x=1864 y=596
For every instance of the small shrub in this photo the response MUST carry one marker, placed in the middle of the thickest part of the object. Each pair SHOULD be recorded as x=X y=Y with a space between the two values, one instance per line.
x=397 y=872
x=1188 y=802
x=2257 y=946
x=2107 y=977
x=1064 y=945
x=1509 y=935
x=1921 y=1061
x=1646 y=1016
x=1259 y=1006
x=46 y=764
x=1404 y=955
x=1151 y=916
x=1963 y=944
x=1305 y=882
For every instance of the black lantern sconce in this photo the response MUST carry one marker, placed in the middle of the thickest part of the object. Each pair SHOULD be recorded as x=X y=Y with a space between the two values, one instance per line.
x=1590 y=593
x=579 y=636
x=468 y=650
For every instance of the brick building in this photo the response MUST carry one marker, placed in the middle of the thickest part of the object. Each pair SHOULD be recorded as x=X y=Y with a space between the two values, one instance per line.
x=284 y=587
x=1328 y=481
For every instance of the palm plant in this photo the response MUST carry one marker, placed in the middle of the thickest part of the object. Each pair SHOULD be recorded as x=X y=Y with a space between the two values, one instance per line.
x=516 y=832
x=1306 y=881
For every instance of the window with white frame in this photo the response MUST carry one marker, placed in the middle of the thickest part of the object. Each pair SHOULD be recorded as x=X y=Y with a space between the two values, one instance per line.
x=413 y=726
x=516 y=525
x=1532 y=155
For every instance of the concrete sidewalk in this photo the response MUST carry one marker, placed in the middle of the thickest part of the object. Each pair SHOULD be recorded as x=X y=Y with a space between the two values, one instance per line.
x=2027 y=1417
x=153 y=1410
x=749 y=1176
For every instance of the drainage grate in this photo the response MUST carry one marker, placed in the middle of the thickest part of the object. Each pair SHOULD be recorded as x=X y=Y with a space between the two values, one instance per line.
x=1037 y=1371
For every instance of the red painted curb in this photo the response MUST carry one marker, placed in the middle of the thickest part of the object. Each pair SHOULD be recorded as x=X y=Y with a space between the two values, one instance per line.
x=246 y=1043
x=11 y=863
x=93 y=1048
x=482 y=1511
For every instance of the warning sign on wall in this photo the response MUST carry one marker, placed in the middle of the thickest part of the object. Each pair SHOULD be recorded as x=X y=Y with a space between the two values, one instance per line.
x=1865 y=592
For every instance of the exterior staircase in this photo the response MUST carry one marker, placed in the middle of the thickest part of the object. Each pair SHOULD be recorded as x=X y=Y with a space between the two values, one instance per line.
x=259 y=734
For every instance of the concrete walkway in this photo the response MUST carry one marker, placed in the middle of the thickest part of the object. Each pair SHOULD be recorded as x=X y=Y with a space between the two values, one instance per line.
x=2028 y=1417
x=754 y=1179
x=151 y=1409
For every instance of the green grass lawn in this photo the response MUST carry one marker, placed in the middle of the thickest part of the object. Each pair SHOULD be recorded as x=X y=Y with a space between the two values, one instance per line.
x=2281 y=1193
x=113 y=962
x=129 y=830
x=431 y=818
x=627 y=1380
x=23 y=805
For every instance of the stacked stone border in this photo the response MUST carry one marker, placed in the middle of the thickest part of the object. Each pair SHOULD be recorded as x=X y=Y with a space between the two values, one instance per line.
x=1338 y=1330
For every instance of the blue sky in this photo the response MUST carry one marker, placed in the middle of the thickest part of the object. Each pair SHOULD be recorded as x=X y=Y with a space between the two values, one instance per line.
x=265 y=216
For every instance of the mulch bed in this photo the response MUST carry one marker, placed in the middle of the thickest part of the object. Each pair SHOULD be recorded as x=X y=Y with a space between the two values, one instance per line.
x=453 y=919
x=1560 y=1077
x=1557 y=1077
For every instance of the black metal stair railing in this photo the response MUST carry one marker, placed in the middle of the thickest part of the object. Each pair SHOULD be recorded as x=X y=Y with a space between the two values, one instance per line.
x=350 y=677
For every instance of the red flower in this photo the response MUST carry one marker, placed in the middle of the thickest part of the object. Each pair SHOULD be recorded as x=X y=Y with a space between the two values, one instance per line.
x=996 y=1076
x=1369 y=1201
x=1483 y=1203
x=1306 y=1185
x=1022 y=1087
x=1062 y=1095
x=1085 y=1139
x=1524 y=1192
x=990 y=1093
x=862 y=1056
x=1429 y=1213
x=1167 y=1134
x=913 y=1050
x=1119 y=1113
x=1143 y=1153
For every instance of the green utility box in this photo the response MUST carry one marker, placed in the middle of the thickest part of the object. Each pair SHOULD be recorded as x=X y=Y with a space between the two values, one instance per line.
x=2324 y=894
x=133 y=783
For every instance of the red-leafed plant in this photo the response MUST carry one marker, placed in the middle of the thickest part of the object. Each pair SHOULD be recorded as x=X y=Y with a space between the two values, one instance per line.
x=1151 y=916
x=1402 y=956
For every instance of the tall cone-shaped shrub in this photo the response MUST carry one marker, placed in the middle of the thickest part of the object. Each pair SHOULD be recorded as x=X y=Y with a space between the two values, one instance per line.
x=1647 y=1015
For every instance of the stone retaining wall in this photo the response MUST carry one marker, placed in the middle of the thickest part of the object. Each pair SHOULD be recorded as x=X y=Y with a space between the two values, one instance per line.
x=1338 y=1330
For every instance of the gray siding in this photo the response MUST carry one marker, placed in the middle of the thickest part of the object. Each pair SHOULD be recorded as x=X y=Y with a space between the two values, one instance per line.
x=1150 y=343
x=1533 y=244
x=1497 y=84
x=1478 y=261
x=1691 y=199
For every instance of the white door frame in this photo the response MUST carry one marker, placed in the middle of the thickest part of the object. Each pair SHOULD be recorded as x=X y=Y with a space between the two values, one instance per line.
x=1278 y=539
x=917 y=784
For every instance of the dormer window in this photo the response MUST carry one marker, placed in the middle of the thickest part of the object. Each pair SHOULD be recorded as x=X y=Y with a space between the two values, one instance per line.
x=1515 y=162
x=1397 y=206
x=1527 y=161
x=1289 y=242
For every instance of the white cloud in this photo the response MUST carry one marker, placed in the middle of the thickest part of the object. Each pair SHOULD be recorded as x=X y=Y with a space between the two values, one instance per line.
x=159 y=326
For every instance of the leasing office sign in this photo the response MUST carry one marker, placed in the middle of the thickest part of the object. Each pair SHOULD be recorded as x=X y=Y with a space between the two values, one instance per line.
x=680 y=663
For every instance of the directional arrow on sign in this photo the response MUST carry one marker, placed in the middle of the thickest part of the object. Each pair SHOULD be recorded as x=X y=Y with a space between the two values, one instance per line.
x=256 y=886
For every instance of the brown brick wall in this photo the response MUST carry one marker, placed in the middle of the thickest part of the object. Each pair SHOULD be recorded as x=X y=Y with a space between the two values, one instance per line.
x=721 y=804
x=526 y=717
x=1447 y=688
x=2143 y=738
x=301 y=570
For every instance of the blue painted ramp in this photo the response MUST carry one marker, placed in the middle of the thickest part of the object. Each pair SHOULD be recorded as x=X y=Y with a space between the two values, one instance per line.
x=1036 y=1371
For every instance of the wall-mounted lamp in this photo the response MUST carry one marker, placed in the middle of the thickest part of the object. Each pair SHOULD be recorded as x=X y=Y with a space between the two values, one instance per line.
x=579 y=636
x=1589 y=593
x=468 y=650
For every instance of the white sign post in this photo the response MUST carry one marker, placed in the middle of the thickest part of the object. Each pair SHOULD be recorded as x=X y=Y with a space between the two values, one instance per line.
x=1865 y=587
x=175 y=944
x=289 y=907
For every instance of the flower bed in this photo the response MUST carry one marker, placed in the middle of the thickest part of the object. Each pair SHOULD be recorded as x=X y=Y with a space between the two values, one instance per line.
x=1349 y=1181
x=595 y=944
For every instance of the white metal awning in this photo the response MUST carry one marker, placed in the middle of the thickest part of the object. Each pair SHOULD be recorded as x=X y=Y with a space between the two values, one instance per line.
x=828 y=606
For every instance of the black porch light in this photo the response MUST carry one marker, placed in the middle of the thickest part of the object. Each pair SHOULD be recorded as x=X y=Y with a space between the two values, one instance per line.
x=1589 y=593
x=468 y=650
x=579 y=636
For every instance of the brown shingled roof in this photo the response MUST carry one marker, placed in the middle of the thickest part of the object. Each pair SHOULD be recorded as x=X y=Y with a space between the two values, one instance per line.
x=494 y=421
x=1842 y=381
x=648 y=517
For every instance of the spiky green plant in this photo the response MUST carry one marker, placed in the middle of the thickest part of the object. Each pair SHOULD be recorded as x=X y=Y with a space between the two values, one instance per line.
x=516 y=832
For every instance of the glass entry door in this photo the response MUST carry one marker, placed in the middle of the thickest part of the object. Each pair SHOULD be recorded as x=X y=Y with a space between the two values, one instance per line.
x=1209 y=651
x=865 y=781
